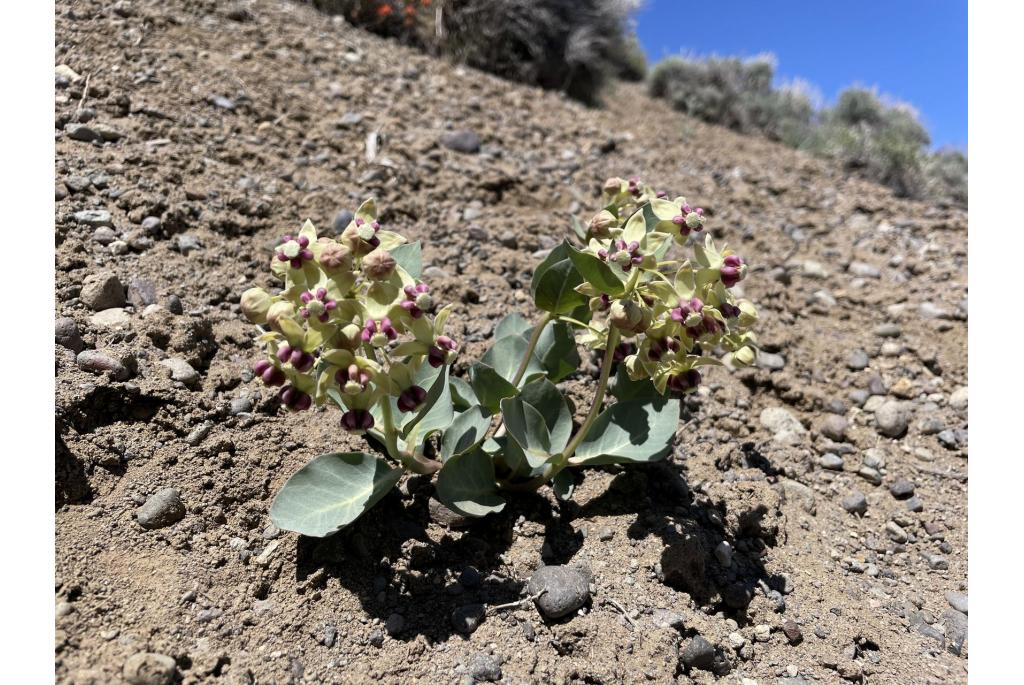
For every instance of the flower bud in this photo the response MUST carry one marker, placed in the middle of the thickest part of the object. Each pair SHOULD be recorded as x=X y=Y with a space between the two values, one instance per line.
x=744 y=356
x=379 y=265
x=629 y=317
x=412 y=398
x=733 y=271
x=601 y=303
x=442 y=352
x=417 y=300
x=748 y=314
x=294 y=250
x=684 y=382
x=255 y=304
x=277 y=311
x=357 y=421
x=359 y=237
x=352 y=380
x=601 y=223
x=613 y=186
x=294 y=399
x=378 y=333
x=335 y=258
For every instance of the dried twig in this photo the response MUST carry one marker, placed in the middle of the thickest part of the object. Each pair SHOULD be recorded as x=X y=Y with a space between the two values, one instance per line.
x=518 y=603
x=622 y=609
x=85 y=94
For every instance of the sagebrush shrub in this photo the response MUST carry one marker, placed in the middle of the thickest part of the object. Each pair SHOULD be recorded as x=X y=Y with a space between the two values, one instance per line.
x=569 y=45
x=354 y=326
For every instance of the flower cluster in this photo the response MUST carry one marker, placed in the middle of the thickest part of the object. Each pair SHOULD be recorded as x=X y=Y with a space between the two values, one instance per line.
x=350 y=324
x=675 y=316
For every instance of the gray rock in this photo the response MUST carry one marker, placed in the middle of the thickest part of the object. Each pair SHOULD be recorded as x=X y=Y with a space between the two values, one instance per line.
x=181 y=370
x=956 y=631
x=891 y=419
x=930 y=310
x=65 y=334
x=663 y=618
x=723 y=553
x=149 y=668
x=930 y=425
x=770 y=361
x=902 y=489
x=484 y=667
x=104 y=235
x=465 y=141
x=870 y=474
x=141 y=293
x=222 y=102
x=915 y=504
x=341 y=220
x=241 y=405
x=151 y=224
x=95 y=361
x=792 y=632
x=188 y=244
x=174 y=305
x=936 y=562
x=566 y=589
x=394 y=624
x=111 y=318
x=785 y=427
x=952 y=439
x=858 y=397
x=94 y=218
x=834 y=427
x=468 y=618
x=958 y=400
x=888 y=330
x=161 y=509
x=102 y=291
x=864 y=270
x=698 y=653
x=82 y=133
x=858 y=360
x=896 y=532
x=855 y=503
x=832 y=462
x=957 y=600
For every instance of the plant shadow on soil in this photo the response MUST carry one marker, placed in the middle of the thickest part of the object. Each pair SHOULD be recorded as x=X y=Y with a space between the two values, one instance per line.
x=388 y=561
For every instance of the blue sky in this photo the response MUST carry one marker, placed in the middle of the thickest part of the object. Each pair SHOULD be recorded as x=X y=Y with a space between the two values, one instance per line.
x=913 y=50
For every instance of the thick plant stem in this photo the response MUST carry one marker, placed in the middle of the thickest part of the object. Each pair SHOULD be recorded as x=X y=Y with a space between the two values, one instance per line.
x=531 y=346
x=602 y=386
x=561 y=460
x=410 y=462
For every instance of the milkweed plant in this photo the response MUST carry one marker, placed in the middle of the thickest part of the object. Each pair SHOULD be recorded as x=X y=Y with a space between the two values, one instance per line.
x=354 y=326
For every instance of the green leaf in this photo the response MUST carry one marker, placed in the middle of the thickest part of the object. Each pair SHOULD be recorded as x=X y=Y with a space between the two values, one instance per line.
x=466 y=432
x=489 y=387
x=554 y=282
x=527 y=427
x=410 y=257
x=463 y=396
x=597 y=272
x=556 y=350
x=331 y=492
x=630 y=431
x=543 y=396
x=437 y=412
x=507 y=354
x=465 y=484
x=579 y=229
x=513 y=324
x=563 y=485
x=625 y=388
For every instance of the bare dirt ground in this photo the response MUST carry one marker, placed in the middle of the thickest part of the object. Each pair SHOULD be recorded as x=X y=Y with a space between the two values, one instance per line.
x=206 y=130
